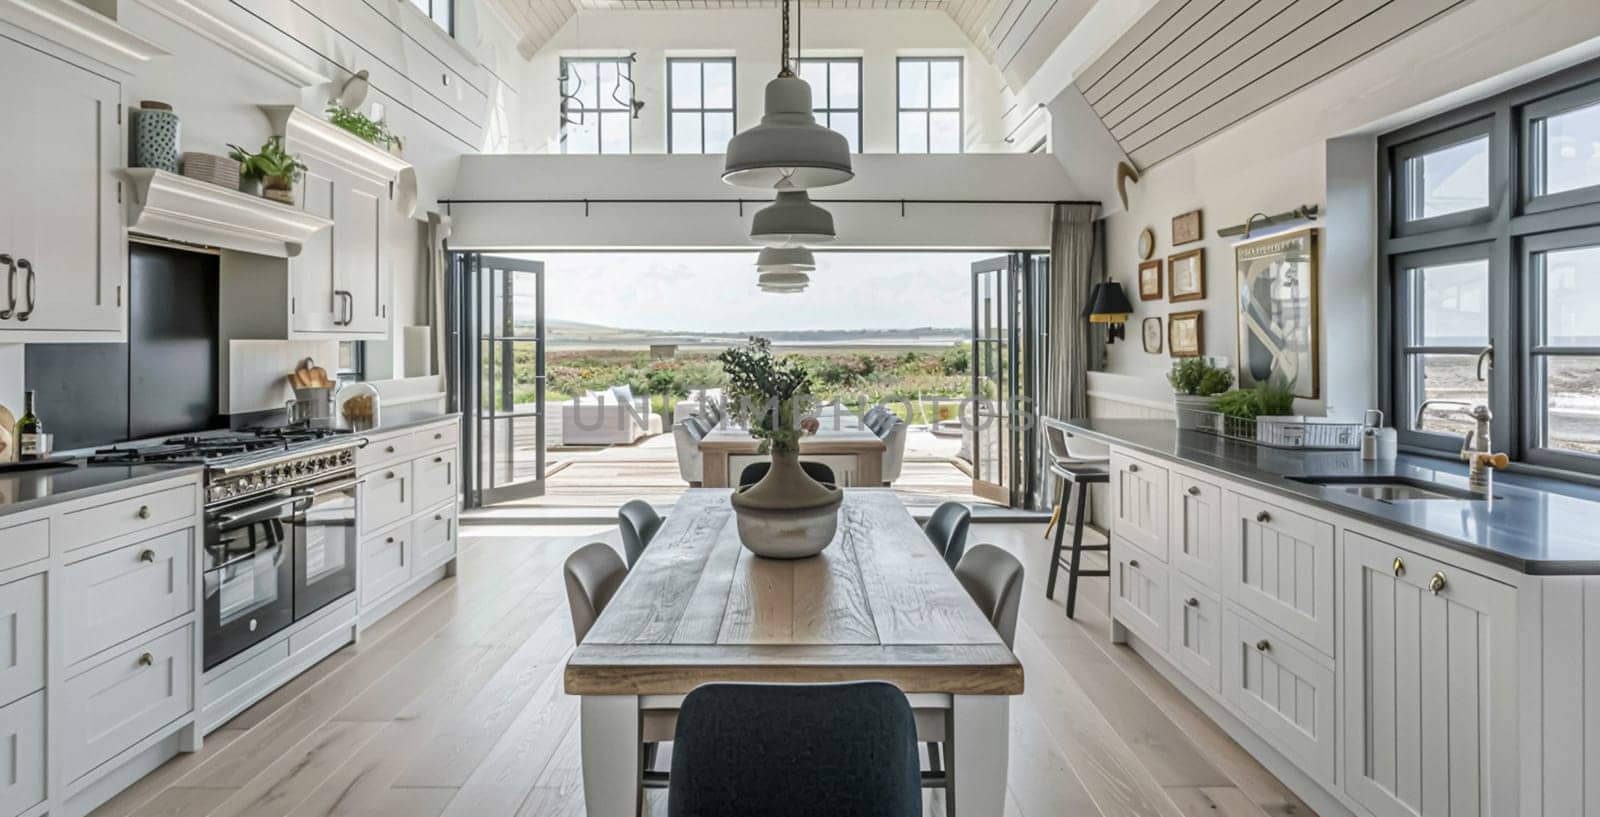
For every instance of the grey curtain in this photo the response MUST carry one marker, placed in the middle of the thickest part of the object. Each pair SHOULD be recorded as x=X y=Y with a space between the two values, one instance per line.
x=438 y=231
x=1076 y=263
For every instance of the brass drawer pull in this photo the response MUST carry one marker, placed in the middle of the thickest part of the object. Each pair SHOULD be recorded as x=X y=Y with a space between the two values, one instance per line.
x=147 y=555
x=147 y=660
x=1194 y=490
x=1399 y=566
x=1263 y=517
x=1436 y=583
x=1191 y=602
x=1133 y=468
x=144 y=512
x=1263 y=645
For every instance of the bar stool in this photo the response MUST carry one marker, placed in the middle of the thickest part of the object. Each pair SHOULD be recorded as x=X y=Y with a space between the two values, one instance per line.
x=1082 y=472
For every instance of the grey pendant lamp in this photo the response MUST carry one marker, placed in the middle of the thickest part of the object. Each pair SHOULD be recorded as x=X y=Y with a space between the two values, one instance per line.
x=792 y=259
x=783 y=282
x=789 y=150
x=791 y=221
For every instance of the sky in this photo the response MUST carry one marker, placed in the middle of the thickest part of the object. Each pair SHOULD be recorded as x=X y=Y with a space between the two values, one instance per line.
x=716 y=291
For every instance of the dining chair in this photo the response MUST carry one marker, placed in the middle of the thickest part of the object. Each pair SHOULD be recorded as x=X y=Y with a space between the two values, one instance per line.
x=780 y=750
x=639 y=523
x=1073 y=470
x=946 y=528
x=753 y=472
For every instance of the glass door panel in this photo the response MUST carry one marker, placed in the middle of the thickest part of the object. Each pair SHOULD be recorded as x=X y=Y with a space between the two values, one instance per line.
x=507 y=317
x=989 y=427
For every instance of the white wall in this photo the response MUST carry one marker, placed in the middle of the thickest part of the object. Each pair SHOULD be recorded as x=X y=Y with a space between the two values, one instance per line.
x=878 y=36
x=1282 y=158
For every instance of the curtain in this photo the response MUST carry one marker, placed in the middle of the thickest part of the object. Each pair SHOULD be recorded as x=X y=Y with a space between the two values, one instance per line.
x=438 y=278
x=1076 y=264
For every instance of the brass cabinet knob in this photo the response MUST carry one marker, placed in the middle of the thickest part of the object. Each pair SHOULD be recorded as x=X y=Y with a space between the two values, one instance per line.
x=389 y=475
x=1133 y=563
x=144 y=512
x=388 y=449
x=1436 y=583
x=1399 y=566
x=438 y=435
x=147 y=555
x=1263 y=645
x=1194 y=490
x=1263 y=517
x=1133 y=467
x=147 y=660
x=438 y=459
x=1191 y=602
x=389 y=540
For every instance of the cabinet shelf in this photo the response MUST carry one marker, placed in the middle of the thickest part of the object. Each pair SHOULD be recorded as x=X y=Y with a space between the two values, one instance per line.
x=178 y=208
x=306 y=134
x=81 y=29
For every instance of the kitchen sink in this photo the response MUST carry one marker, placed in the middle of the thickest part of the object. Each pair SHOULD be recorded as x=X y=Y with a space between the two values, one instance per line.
x=1391 y=489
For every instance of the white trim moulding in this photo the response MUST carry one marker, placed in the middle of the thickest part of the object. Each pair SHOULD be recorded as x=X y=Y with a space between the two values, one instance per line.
x=303 y=132
x=205 y=22
x=178 y=208
x=81 y=29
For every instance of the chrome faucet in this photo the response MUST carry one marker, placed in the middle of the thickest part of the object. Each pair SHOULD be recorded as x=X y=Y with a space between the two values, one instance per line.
x=1475 y=450
x=1423 y=409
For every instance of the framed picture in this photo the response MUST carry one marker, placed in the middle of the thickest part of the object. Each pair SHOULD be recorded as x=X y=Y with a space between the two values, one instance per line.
x=1152 y=335
x=1183 y=334
x=1278 y=320
x=1186 y=276
x=1150 y=280
x=1186 y=228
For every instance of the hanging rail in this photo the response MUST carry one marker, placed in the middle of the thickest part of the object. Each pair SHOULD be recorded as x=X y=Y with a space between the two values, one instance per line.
x=1307 y=212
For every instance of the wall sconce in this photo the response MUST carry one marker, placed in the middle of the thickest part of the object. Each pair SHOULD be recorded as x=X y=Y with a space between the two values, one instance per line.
x=1109 y=305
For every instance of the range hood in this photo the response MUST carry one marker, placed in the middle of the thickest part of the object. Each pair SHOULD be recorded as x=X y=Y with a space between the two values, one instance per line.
x=177 y=208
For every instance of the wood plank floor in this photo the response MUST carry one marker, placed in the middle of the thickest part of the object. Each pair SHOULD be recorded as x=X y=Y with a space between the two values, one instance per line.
x=453 y=706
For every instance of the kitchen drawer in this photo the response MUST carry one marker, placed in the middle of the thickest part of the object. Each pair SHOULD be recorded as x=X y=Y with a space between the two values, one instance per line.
x=1139 y=592
x=1279 y=565
x=115 y=596
x=90 y=525
x=24 y=543
x=1283 y=691
x=1196 y=623
x=21 y=639
x=444 y=435
x=385 y=563
x=434 y=478
x=388 y=450
x=1139 y=503
x=126 y=698
x=22 y=751
x=385 y=497
x=434 y=535
x=1195 y=523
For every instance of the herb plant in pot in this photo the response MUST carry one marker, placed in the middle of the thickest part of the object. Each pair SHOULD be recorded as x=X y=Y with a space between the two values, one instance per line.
x=1195 y=380
x=273 y=169
x=786 y=514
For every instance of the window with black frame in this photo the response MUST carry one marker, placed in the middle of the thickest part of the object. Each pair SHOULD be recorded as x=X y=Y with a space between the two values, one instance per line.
x=1492 y=265
x=439 y=11
x=836 y=94
x=596 y=105
x=929 y=115
x=701 y=110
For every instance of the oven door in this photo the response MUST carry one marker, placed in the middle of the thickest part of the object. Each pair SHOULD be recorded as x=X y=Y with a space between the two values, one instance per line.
x=248 y=578
x=325 y=547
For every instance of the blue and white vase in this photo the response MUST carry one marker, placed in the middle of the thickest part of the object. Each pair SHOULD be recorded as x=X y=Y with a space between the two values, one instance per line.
x=155 y=136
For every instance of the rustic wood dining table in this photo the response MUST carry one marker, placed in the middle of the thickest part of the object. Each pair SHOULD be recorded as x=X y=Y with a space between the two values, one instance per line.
x=878 y=604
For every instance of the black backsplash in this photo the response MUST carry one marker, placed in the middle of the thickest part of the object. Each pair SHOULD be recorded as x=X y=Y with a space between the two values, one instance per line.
x=163 y=381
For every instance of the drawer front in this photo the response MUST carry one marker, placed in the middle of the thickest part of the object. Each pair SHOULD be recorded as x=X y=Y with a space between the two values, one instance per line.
x=1195 y=523
x=127 y=516
x=434 y=476
x=385 y=497
x=22 y=752
x=439 y=436
x=385 y=564
x=1196 y=616
x=126 y=698
x=1285 y=693
x=1139 y=503
x=1279 y=566
x=434 y=535
x=24 y=543
x=115 y=596
x=1139 y=592
x=387 y=450
x=21 y=639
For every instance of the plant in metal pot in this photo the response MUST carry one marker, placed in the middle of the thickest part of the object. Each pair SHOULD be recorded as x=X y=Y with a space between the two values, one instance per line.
x=274 y=168
x=1194 y=380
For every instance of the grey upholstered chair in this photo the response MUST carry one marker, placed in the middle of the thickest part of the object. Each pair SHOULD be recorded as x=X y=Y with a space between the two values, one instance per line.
x=639 y=523
x=592 y=574
x=753 y=472
x=946 y=528
x=795 y=751
x=993 y=578
x=894 y=454
x=686 y=437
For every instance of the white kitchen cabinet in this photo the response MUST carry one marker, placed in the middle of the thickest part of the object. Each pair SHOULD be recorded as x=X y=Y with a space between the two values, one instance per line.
x=1196 y=625
x=1278 y=564
x=1195 y=522
x=1139 y=592
x=117 y=595
x=1285 y=692
x=61 y=222
x=22 y=753
x=313 y=274
x=341 y=278
x=125 y=698
x=1426 y=691
x=385 y=563
x=22 y=613
x=385 y=496
x=433 y=537
x=409 y=519
x=1139 y=503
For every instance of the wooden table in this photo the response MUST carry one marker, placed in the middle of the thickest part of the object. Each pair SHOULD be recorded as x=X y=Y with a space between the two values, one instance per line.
x=878 y=604
x=725 y=444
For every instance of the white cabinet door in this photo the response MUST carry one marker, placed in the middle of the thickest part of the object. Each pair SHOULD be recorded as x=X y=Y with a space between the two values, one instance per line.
x=117 y=595
x=124 y=699
x=1427 y=689
x=362 y=258
x=1196 y=646
x=64 y=222
x=385 y=564
x=1139 y=503
x=1279 y=565
x=22 y=751
x=1195 y=520
x=1139 y=592
x=313 y=274
x=1285 y=693
x=21 y=638
x=434 y=538
x=385 y=497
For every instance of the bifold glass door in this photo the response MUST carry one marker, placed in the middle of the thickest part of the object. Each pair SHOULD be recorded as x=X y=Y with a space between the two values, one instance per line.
x=1009 y=294
x=501 y=388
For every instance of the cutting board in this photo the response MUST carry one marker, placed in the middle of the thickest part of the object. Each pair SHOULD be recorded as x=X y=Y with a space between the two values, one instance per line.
x=8 y=426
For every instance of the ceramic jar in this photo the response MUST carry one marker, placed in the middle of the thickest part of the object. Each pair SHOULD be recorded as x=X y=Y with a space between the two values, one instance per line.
x=155 y=136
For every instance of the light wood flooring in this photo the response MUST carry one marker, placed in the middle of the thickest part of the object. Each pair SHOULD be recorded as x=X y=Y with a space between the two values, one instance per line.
x=453 y=706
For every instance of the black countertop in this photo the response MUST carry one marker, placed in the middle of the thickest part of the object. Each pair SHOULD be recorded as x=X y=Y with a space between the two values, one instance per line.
x=1534 y=525
x=400 y=418
x=22 y=490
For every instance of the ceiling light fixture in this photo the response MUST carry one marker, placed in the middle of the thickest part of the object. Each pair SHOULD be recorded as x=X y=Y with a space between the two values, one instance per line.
x=791 y=259
x=792 y=222
x=783 y=282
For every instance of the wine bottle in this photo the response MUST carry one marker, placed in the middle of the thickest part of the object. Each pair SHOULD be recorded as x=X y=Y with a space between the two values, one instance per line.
x=29 y=432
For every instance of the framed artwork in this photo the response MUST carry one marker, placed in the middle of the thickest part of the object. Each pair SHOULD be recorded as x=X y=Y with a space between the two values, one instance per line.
x=1150 y=280
x=1278 y=320
x=1183 y=334
x=1152 y=336
x=1186 y=276
x=1186 y=228
x=1147 y=244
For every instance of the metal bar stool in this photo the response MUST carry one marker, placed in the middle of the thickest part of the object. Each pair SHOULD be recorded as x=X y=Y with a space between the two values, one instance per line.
x=1082 y=472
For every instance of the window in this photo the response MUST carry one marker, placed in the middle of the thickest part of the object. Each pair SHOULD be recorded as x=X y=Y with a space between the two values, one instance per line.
x=836 y=95
x=352 y=361
x=439 y=11
x=596 y=107
x=1492 y=268
x=700 y=109
x=930 y=105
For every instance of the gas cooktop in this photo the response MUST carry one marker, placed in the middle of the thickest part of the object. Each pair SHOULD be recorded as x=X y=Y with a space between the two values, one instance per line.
x=217 y=447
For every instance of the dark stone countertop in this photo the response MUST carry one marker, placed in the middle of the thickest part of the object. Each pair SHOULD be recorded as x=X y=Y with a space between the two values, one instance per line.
x=1534 y=525
x=24 y=490
x=401 y=418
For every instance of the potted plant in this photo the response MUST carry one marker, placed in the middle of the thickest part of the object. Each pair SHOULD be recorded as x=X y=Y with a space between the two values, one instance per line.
x=1194 y=381
x=364 y=128
x=786 y=514
x=273 y=169
x=1240 y=409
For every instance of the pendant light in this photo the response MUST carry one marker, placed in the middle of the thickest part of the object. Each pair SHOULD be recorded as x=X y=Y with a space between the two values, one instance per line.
x=789 y=150
x=791 y=221
x=792 y=259
x=783 y=282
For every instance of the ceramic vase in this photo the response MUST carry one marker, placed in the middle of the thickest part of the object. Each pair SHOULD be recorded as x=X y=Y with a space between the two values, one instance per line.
x=787 y=514
x=155 y=137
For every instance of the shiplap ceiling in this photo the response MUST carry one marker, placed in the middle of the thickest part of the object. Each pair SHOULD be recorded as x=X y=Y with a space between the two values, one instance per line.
x=1190 y=68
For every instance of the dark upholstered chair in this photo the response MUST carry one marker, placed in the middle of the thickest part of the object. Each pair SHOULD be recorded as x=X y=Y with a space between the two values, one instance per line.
x=639 y=523
x=753 y=472
x=947 y=530
x=592 y=573
x=743 y=750
x=993 y=578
